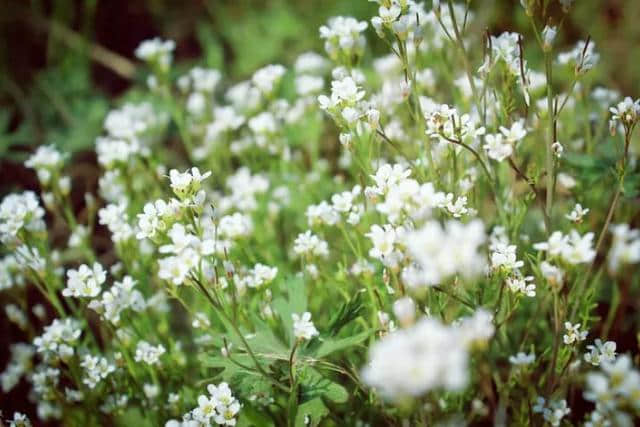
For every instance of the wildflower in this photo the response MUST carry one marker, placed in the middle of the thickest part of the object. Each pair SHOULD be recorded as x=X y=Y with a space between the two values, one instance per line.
x=19 y=420
x=522 y=285
x=558 y=149
x=504 y=258
x=115 y=217
x=303 y=328
x=522 y=359
x=96 y=369
x=266 y=78
x=85 y=282
x=148 y=353
x=185 y=184
x=573 y=334
x=548 y=36
x=443 y=252
x=46 y=161
x=600 y=352
x=156 y=51
x=405 y=311
x=496 y=148
x=625 y=248
x=58 y=339
x=577 y=214
x=626 y=112
x=410 y=362
x=309 y=244
x=383 y=239
x=343 y=37
x=20 y=211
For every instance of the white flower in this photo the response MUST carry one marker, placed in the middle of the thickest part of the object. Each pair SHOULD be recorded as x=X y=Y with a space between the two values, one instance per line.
x=186 y=183
x=521 y=285
x=383 y=239
x=600 y=352
x=342 y=36
x=504 y=258
x=115 y=217
x=443 y=252
x=389 y=14
x=558 y=149
x=496 y=148
x=579 y=250
x=410 y=362
x=96 y=369
x=309 y=244
x=311 y=63
x=58 y=339
x=85 y=282
x=625 y=248
x=522 y=359
x=46 y=160
x=405 y=311
x=573 y=335
x=548 y=36
x=157 y=51
x=308 y=85
x=19 y=420
x=577 y=214
x=148 y=354
x=303 y=328
x=266 y=78
x=515 y=133
x=553 y=274
x=18 y=211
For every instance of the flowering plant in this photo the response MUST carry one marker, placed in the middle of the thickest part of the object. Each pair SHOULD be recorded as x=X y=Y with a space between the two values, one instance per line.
x=408 y=239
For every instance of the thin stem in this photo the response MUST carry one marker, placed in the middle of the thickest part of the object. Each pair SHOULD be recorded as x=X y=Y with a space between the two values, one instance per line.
x=291 y=363
x=550 y=139
x=454 y=296
x=609 y=218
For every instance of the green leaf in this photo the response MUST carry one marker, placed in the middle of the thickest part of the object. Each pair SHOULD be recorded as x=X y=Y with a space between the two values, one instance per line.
x=313 y=384
x=296 y=303
x=314 y=409
x=331 y=345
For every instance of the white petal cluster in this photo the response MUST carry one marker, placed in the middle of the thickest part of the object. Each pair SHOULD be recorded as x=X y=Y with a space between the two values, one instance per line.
x=96 y=368
x=156 y=51
x=119 y=297
x=46 y=161
x=148 y=353
x=116 y=218
x=445 y=251
x=303 y=328
x=219 y=407
x=187 y=183
x=20 y=211
x=85 y=282
x=600 y=352
x=343 y=37
x=426 y=356
x=58 y=339
x=625 y=248
x=553 y=411
x=308 y=244
x=615 y=390
x=573 y=249
x=573 y=333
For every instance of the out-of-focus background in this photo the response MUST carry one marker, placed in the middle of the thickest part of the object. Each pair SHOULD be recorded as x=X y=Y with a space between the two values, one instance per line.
x=62 y=62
